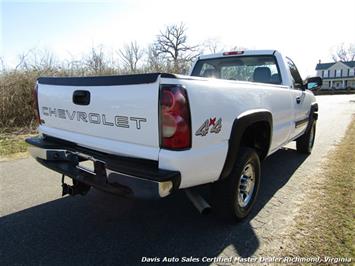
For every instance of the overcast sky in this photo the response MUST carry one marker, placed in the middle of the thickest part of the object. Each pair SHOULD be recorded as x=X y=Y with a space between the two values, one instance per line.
x=306 y=31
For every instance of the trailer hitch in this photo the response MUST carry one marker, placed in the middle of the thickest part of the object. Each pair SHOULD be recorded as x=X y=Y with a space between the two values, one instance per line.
x=77 y=188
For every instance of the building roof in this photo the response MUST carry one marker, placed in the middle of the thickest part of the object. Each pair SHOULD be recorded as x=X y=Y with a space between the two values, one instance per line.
x=328 y=65
x=324 y=66
x=350 y=63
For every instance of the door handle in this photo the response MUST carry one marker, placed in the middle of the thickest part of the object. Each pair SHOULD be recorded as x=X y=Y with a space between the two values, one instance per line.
x=81 y=97
x=298 y=99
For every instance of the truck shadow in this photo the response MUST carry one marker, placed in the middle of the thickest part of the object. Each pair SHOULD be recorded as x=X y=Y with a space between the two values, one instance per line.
x=105 y=229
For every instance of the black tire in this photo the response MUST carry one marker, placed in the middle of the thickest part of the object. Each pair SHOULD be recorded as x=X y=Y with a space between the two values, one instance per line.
x=226 y=194
x=305 y=143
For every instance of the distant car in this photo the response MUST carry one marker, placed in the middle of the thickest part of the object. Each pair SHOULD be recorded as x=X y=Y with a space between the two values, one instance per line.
x=150 y=135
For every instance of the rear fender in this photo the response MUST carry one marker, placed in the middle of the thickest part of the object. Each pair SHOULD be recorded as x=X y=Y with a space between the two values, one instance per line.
x=240 y=124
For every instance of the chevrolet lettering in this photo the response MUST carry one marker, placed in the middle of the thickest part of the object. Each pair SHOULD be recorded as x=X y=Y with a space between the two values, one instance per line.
x=94 y=118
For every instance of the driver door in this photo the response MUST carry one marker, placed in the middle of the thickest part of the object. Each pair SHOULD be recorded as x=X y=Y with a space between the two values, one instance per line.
x=300 y=105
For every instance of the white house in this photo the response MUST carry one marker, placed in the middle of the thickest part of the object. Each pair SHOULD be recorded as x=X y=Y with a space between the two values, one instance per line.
x=337 y=75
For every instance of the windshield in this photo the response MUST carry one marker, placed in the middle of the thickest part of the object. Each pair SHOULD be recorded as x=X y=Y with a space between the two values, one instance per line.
x=258 y=68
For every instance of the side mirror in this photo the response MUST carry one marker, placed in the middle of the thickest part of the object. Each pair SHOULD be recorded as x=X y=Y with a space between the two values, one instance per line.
x=313 y=84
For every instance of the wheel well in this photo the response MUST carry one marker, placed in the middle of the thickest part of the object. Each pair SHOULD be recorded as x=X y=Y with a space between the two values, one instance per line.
x=257 y=136
x=252 y=130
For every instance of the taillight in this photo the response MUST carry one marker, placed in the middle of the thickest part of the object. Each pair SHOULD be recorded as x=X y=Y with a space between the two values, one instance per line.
x=175 y=128
x=35 y=104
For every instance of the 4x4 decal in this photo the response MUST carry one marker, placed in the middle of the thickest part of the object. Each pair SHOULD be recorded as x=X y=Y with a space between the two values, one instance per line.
x=205 y=127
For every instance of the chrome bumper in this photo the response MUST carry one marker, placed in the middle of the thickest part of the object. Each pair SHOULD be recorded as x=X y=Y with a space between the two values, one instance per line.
x=133 y=180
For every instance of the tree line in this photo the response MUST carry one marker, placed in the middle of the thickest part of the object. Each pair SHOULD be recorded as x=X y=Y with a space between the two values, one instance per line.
x=170 y=51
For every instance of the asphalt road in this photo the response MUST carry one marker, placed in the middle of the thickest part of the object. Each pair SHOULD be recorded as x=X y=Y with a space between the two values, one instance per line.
x=39 y=227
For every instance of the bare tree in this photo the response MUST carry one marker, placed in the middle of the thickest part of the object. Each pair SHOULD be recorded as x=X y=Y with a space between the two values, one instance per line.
x=344 y=53
x=156 y=62
x=172 y=43
x=40 y=60
x=95 y=61
x=2 y=65
x=131 y=54
x=212 y=46
x=238 y=48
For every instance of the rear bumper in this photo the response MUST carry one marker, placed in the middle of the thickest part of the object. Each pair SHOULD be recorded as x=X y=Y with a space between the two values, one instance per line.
x=139 y=178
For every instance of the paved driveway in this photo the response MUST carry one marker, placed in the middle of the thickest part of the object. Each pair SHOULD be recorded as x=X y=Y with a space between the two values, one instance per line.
x=38 y=226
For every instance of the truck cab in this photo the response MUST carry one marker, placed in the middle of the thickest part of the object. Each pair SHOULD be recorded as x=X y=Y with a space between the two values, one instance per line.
x=268 y=67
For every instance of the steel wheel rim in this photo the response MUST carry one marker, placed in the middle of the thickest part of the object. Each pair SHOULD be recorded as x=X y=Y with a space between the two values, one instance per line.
x=246 y=185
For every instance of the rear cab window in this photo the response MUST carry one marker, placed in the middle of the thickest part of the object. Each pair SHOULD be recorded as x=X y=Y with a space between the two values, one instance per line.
x=254 y=68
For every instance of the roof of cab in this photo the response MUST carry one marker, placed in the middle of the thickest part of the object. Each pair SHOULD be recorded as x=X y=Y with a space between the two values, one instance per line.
x=245 y=52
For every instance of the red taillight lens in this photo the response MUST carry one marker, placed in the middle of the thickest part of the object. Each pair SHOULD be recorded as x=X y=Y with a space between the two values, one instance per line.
x=35 y=104
x=233 y=53
x=175 y=118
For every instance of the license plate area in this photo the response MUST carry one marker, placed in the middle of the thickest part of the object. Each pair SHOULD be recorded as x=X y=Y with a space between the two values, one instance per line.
x=91 y=165
x=87 y=166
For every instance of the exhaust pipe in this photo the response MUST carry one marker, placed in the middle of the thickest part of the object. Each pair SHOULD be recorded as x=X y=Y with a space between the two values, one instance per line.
x=200 y=203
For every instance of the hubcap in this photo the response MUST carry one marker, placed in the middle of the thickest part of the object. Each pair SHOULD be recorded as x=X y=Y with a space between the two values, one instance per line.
x=246 y=185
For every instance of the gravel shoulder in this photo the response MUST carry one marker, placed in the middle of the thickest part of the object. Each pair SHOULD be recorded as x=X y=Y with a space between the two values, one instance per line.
x=325 y=224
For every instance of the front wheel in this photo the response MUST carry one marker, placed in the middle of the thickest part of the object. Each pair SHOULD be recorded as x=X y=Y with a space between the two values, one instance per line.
x=235 y=196
x=305 y=143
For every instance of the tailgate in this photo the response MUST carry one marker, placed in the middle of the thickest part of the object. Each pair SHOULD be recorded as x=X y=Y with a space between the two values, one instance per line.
x=116 y=114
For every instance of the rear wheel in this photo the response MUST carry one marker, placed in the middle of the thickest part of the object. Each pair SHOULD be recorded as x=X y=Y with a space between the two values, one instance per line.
x=305 y=143
x=235 y=196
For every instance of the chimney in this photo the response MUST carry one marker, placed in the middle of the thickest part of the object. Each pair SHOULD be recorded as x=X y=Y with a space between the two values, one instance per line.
x=319 y=61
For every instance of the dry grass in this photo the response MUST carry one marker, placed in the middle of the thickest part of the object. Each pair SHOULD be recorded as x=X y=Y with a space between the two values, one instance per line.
x=16 y=99
x=12 y=142
x=16 y=95
x=326 y=223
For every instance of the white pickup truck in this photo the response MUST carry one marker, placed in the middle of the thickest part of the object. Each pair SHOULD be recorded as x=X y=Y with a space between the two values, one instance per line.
x=149 y=135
